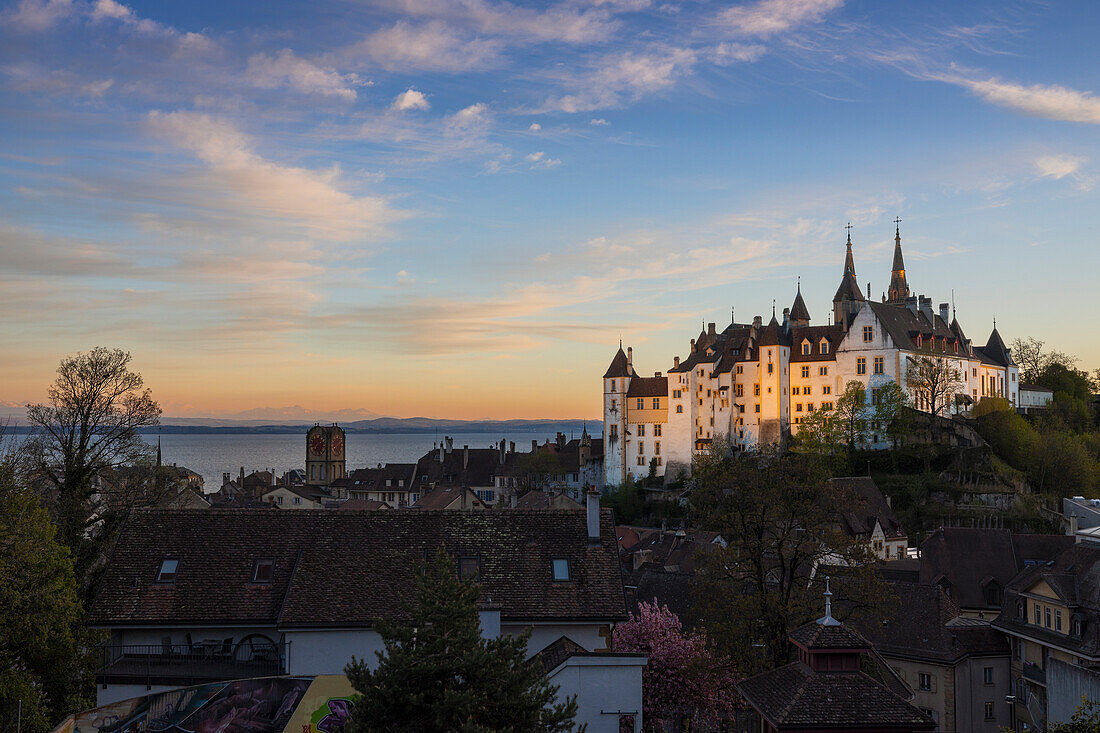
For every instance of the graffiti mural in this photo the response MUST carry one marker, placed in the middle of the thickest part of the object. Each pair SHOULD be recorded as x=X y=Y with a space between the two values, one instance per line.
x=263 y=705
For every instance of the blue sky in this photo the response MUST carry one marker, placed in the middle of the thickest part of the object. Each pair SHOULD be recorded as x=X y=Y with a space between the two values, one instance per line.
x=457 y=207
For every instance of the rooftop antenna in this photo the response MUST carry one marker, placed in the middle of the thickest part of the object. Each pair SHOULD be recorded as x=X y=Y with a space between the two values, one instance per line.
x=827 y=619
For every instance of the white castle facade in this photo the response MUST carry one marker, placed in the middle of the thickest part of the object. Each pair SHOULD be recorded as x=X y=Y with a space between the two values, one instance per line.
x=750 y=384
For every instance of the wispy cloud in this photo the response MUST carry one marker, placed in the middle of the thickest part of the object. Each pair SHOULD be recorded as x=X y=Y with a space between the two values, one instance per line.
x=767 y=18
x=565 y=22
x=1038 y=100
x=285 y=69
x=37 y=15
x=256 y=186
x=410 y=99
x=623 y=77
x=433 y=46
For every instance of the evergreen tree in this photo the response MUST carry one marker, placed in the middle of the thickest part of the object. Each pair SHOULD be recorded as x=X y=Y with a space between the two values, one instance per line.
x=437 y=673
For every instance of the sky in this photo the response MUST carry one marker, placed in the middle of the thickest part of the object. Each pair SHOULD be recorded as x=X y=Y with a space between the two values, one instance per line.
x=456 y=208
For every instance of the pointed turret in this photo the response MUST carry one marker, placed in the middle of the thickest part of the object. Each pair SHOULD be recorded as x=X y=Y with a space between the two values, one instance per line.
x=620 y=365
x=899 y=288
x=848 y=294
x=800 y=314
x=995 y=348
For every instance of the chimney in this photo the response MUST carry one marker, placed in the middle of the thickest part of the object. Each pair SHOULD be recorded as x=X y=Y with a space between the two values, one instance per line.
x=757 y=321
x=911 y=304
x=693 y=346
x=945 y=311
x=676 y=361
x=629 y=356
x=592 y=505
x=465 y=456
x=559 y=440
x=441 y=449
x=710 y=329
x=450 y=444
x=512 y=500
x=511 y=446
x=657 y=375
x=502 y=445
x=1073 y=527
x=534 y=445
x=786 y=316
x=926 y=308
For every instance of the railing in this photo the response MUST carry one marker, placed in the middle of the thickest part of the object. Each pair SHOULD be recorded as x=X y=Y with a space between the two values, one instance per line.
x=206 y=661
x=1035 y=673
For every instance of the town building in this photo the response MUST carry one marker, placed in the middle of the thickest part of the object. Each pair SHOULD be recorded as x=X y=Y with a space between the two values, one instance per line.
x=1033 y=397
x=1051 y=613
x=974 y=565
x=189 y=597
x=871 y=519
x=392 y=483
x=569 y=466
x=451 y=497
x=752 y=384
x=827 y=689
x=957 y=667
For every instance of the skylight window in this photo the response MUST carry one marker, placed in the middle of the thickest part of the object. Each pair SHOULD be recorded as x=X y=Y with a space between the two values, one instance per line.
x=167 y=572
x=468 y=568
x=561 y=569
x=263 y=570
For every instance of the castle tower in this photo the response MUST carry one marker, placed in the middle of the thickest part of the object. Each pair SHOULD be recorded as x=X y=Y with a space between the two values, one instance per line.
x=899 y=288
x=848 y=295
x=616 y=382
x=325 y=455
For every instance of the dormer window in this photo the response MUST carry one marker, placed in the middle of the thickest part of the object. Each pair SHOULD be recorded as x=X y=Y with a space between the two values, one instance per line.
x=263 y=570
x=824 y=346
x=806 y=348
x=561 y=569
x=469 y=569
x=167 y=571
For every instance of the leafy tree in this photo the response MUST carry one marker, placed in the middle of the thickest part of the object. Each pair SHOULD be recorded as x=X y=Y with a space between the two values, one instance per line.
x=437 y=673
x=96 y=407
x=1033 y=358
x=1062 y=465
x=778 y=514
x=852 y=414
x=627 y=501
x=821 y=434
x=41 y=664
x=893 y=412
x=684 y=676
x=542 y=469
x=1009 y=435
x=1059 y=377
x=933 y=380
x=989 y=405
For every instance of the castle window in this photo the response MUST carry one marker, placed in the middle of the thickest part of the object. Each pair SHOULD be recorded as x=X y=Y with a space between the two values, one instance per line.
x=657 y=452
x=641 y=460
x=656 y=403
x=657 y=430
x=739 y=390
x=794 y=390
x=826 y=406
x=809 y=407
x=679 y=408
x=868 y=334
x=880 y=365
x=826 y=389
x=861 y=365
x=824 y=347
x=798 y=407
x=758 y=409
x=805 y=372
x=756 y=390
x=612 y=385
x=823 y=371
x=641 y=446
x=641 y=403
x=613 y=404
x=740 y=368
x=771 y=367
x=807 y=389
x=641 y=430
x=806 y=348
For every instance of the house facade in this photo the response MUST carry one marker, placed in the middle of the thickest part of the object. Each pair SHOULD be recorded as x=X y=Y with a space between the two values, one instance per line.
x=191 y=597
x=751 y=384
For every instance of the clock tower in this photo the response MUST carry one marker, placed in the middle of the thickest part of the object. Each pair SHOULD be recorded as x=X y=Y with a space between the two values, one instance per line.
x=325 y=460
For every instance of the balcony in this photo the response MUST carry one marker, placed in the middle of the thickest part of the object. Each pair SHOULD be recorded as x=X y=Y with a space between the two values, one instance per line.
x=1035 y=673
x=188 y=664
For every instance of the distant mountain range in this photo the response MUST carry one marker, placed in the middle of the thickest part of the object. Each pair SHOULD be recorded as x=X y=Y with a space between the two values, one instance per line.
x=379 y=425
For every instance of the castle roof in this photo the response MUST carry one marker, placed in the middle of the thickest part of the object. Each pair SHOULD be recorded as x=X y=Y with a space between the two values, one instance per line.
x=620 y=367
x=648 y=387
x=995 y=351
x=849 y=288
x=799 y=312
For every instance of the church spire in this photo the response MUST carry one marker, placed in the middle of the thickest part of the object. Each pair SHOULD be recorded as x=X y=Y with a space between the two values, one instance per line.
x=800 y=314
x=848 y=292
x=899 y=288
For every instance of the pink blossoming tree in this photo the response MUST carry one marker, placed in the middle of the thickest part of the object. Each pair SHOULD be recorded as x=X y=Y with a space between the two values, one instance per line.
x=684 y=676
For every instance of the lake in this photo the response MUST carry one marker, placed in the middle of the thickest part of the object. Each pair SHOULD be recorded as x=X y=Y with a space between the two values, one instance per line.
x=211 y=454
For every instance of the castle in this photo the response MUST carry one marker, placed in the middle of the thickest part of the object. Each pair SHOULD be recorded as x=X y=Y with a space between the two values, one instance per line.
x=750 y=384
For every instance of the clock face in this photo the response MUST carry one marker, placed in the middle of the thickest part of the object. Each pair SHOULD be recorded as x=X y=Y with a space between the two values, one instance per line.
x=337 y=444
x=317 y=444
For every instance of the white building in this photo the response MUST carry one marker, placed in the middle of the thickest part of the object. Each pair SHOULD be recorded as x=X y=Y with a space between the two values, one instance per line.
x=191 y=597
x=750 y=384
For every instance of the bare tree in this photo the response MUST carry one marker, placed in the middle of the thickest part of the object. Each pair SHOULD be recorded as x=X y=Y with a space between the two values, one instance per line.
x=90 y=423
x=933 y=380
x=1033 y=358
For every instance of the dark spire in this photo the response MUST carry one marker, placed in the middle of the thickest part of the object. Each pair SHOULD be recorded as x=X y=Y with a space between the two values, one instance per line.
x=849 y=287
x=899 y=288
x=800 y=314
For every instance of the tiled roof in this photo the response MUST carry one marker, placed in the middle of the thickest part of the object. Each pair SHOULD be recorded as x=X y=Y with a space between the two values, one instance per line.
x=363 y=505
x=1074 y=575
x=648 y=387
x=619 y=366
x=966 y=560
x=799 y=311
x=472 y=467
x=450 y=497
x=795 y=696
x=348 y=568
x=557 y=652
x=833 y=334
x=547 y=500
x=819 y=636
x=869 y=508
